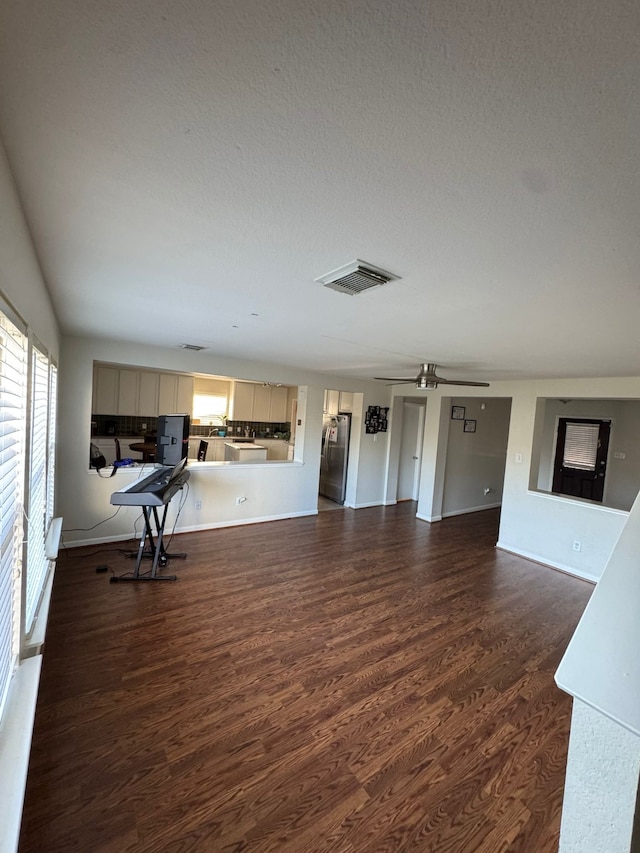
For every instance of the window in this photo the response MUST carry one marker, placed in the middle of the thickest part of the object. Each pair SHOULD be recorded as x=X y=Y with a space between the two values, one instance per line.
x=28 y=386
x=13 y=375
x=581 y=445
x=209 y=408
x=38 y=497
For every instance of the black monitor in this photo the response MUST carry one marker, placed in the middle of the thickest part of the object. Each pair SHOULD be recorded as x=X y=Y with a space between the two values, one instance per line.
x=172 y=443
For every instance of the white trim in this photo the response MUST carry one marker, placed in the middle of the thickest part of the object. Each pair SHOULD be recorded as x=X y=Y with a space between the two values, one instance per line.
x=52 y=542
x=595 y=505
x=471 y=509
x=15 y=746
x=366 y=505
x=389 y=503
x=34 y=643
x=550 y=564
x=429 y=518
x=193 y=528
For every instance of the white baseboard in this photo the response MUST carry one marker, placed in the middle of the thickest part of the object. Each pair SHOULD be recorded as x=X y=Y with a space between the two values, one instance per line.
x=366 y=505
x=471 y=509
x=193 y=528
x=550 y=564
x=214 y=525
x=429 y=518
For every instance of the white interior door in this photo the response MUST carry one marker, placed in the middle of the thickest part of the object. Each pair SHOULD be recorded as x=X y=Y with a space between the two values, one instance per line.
x=410 y=451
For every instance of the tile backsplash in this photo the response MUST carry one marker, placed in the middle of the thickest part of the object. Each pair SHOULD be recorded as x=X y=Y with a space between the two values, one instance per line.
x=105 y=425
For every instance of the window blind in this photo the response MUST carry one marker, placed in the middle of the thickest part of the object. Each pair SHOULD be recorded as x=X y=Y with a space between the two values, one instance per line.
x=13 y=381
x=37 y=562
x=581 y=446
x=51 y=453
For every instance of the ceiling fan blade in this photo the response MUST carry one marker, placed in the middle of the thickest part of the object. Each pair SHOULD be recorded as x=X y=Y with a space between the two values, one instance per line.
x=441 y=381
x=391 y=379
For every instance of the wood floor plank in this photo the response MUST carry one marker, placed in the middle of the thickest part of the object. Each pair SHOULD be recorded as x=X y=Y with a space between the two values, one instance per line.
x=355 y=682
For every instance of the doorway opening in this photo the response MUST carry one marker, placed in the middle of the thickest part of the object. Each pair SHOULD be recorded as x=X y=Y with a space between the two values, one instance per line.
x=580 y=463
x=410 y=458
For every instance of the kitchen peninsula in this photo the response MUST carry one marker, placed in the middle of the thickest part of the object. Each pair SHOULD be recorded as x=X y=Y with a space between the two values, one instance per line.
x=244 y=452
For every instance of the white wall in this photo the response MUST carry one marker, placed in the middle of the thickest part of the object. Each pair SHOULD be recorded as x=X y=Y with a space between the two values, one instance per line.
x=475 y=461
x=603 y=768
x=21 y=280
x=272 y=490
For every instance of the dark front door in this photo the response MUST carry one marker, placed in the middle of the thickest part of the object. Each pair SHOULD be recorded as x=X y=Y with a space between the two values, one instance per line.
x=581 y=457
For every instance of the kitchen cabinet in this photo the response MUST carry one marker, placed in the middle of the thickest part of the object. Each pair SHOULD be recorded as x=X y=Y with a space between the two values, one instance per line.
x=107 y=446
x=277 y=449
x=338 y=401
x=345 y=402
x=241 y=404
x=175 y=394
x=122 y=391
x=148 y=394
x=279 y=405
x=331 y=402
x=259 y=403
x=128 y=387
x=105 y=390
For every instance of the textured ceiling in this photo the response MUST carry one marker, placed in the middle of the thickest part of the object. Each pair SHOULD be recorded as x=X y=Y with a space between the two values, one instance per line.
x=188 y=168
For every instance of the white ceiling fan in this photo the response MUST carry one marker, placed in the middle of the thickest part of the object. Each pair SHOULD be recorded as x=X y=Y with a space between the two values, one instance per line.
x=427 y=378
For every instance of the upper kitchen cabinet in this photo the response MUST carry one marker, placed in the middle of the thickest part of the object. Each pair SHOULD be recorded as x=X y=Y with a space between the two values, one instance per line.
x=251 y=401
x=145 y=393
x=148 y=390
x=337 y=401
x=331 y=402
x=241 y=402
x=345 y=403
x=175 y=394
x=105 y=390
x=278 y=407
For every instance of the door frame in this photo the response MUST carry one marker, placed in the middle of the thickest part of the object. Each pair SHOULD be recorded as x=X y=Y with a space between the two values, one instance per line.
x=602 y=457
x=417 y=458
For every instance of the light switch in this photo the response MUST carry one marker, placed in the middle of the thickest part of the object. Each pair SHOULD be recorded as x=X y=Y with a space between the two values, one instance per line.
x=519 y=458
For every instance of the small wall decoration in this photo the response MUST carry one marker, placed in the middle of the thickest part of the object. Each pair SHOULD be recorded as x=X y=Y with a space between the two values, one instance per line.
x=470 y=426
x=375 y=419
x=457 y=413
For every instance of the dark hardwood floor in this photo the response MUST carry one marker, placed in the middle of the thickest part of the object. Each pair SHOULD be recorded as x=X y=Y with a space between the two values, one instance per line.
x=355 y=682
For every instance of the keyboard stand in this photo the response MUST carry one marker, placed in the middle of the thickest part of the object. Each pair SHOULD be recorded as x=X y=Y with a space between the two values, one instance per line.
x=156 y=550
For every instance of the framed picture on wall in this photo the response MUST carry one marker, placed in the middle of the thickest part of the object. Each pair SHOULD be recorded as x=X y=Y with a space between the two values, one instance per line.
x=457 y=413
x=469 y=426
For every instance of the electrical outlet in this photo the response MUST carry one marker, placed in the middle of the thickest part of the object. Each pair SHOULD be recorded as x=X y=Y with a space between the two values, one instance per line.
x=519 y=458
x=577 y=546
x=198 y=505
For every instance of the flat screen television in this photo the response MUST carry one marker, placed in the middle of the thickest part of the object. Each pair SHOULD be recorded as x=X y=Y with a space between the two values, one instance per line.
x=172 y=443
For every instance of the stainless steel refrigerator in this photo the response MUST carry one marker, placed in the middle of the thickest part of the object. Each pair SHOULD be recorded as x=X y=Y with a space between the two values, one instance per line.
x=334 y=455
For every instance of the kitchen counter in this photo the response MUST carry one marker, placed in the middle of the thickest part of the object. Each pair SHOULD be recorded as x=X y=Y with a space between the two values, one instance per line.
x=277 y=448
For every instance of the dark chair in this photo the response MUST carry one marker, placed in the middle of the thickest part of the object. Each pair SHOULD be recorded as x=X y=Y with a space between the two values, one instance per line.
x=202 y=451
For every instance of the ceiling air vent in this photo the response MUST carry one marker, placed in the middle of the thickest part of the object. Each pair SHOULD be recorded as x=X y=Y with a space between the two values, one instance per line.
x=192 y=347
x=356 y=277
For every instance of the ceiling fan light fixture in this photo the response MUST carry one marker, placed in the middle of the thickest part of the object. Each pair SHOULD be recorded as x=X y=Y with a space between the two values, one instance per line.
x=356 y=277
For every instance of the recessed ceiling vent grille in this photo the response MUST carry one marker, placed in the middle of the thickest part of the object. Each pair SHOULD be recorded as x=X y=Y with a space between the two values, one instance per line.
x=355 y=278
x=192 y=347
